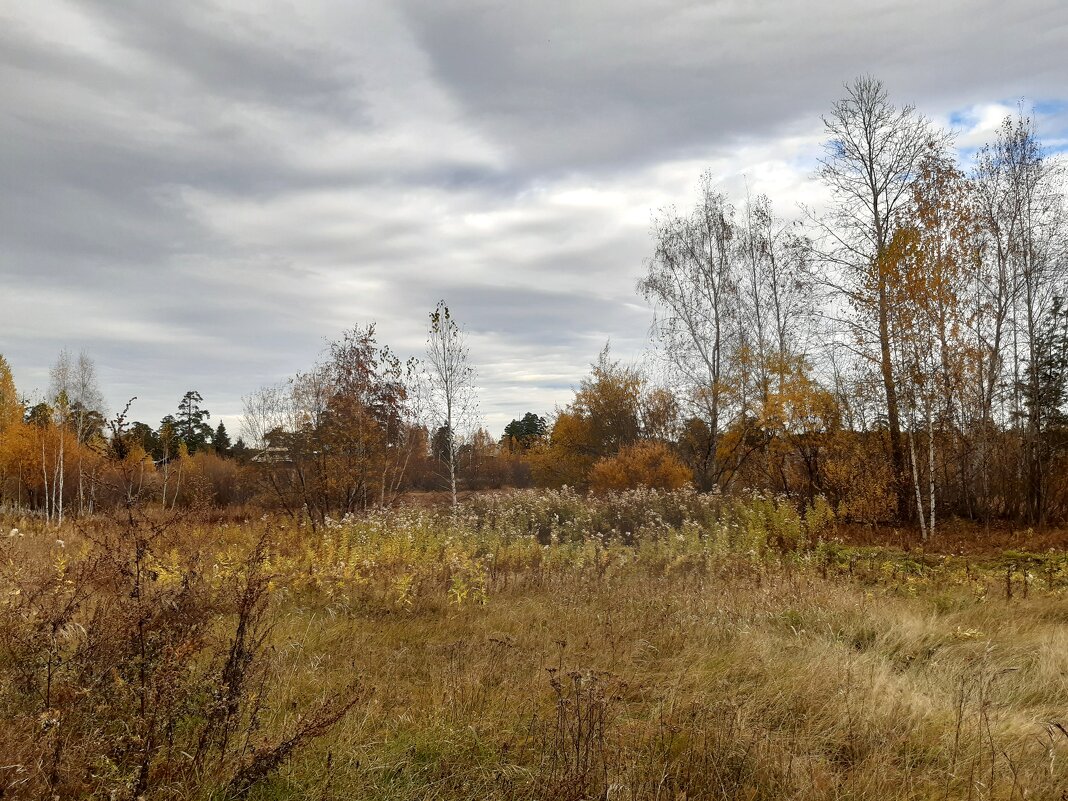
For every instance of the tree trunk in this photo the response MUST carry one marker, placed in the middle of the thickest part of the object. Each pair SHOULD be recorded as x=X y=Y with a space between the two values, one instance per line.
x=897 y=453
x=930 y=471
x=916 y=484
x=44 y=473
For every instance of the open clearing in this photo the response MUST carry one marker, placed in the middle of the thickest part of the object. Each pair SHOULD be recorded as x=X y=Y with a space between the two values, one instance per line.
x=536 y=645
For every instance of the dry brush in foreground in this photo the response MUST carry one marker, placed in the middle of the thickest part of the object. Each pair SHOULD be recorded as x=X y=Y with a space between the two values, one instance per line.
x=542 y=645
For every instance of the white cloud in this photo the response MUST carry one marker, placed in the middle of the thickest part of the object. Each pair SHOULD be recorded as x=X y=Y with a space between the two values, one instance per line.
x=203 y=193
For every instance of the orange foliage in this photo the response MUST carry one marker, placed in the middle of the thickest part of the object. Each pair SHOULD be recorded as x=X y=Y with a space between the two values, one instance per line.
x=642 y=464
x=10 y=408
x=858 y=480
x=569 y=454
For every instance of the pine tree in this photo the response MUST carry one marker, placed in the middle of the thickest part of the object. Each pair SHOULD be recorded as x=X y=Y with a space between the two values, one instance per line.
x=521 y=434
x=221 y=440
x=1044 y=389
x=191 y=425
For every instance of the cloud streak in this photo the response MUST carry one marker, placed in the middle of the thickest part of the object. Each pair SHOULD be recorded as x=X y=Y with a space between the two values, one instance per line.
x=201 y=194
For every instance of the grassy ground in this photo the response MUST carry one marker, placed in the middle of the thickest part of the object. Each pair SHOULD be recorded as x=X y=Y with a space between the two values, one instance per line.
x=644 y=646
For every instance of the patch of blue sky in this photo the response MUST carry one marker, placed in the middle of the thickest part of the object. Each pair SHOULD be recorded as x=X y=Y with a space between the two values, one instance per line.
x=1050 y=108
x=958 y=119
x=806 y=157
x=1050 y=115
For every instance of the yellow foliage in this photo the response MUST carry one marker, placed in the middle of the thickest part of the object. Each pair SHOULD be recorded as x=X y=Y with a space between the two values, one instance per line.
x=10 y=407
x=642 y=464
x=859 y=478
x=568 y=456
x=609 y=412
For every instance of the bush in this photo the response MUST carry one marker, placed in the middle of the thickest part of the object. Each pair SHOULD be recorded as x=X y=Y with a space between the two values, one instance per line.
x=647 y=463
x=134 y=667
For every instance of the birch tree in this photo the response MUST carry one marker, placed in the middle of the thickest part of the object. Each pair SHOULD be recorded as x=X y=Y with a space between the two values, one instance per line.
x=450 y=384
x=692 y=282
x=78 y=404
x=871 y=157
x=1020 y=202
x=930 y=267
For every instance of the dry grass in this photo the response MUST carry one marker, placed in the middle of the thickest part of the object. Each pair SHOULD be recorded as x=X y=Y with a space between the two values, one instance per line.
x=544 y=646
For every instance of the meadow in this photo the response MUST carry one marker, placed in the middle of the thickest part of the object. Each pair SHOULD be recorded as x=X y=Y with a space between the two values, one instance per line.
x=528 y=645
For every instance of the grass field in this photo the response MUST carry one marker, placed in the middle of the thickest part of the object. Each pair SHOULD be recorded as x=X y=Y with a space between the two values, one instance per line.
x=537 y=645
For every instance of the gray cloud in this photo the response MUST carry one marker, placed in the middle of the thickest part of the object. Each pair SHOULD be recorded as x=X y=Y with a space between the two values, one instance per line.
x=202 y=193
x=575 y=84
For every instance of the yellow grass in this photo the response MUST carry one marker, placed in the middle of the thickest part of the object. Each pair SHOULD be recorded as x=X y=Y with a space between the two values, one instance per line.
x=537 y=647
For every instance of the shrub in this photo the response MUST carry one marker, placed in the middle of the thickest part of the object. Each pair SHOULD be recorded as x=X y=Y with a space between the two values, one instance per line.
x=135 y=667
x=643 y=464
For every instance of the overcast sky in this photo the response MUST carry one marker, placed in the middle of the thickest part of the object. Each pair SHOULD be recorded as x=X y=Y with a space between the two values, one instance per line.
x=201 y=194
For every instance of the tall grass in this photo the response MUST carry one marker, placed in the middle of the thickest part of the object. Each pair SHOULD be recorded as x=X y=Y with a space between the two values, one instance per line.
x=642 y=645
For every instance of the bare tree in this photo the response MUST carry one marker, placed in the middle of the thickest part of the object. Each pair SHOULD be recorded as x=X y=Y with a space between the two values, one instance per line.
x=450 y=384
x=872 y=154
x=775 y=293
x=78 y=406
x=89 y=413
x=1020 y=202
x=265 y=410
x=692 y=281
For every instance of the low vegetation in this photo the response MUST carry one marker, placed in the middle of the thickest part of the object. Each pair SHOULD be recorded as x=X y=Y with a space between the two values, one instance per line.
x=536 y=644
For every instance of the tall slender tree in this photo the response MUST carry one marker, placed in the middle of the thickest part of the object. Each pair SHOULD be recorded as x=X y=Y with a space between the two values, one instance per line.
x=1020 y=202
x=692 y=281
x=10 y=407
x=872 y=155
x=220 y=440
x=78 y=406
x=451 y=384
x=191 y=421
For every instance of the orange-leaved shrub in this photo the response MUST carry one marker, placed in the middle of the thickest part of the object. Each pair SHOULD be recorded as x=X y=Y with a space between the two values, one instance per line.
x=646 y=463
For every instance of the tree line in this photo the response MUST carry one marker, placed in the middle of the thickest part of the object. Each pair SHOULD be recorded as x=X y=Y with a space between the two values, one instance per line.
x=62 y=455
x=902 y=353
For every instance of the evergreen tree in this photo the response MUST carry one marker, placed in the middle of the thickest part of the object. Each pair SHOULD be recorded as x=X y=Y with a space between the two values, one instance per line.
x=90 y=422
x=239 y=450
x=39 y=415
x=221 y=440
x=192 y=427
x=1044 y=389
x=521 y=434
x=144 y=435
x=441 y=444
